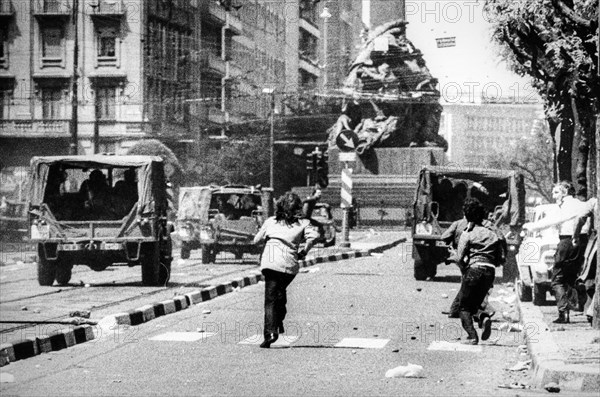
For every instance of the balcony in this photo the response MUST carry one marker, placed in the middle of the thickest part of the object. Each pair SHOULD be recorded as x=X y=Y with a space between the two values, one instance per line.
x=106 y=10
x=49 y=9
x=309 y=67
x=34 y=128
x=217 y=12
x=217 y=63
x=234 y=24
x=7 y=10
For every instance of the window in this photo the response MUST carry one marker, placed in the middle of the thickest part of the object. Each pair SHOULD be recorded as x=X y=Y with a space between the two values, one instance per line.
x=52 y=103
x=107 y=45
x=5 y=97
x=52 y=45
x=3 y=48
x=106 y=103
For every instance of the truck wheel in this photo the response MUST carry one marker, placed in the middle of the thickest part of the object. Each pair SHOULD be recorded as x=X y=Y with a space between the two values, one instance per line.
x=185 y=251
x=423 y=267
x=150 y=262
x=539 y=295
x=524 y=291
x=46 y=268
x=63 y=274
x=206 y=254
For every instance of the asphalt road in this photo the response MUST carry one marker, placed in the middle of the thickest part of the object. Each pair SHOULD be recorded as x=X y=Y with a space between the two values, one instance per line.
x=374 y=298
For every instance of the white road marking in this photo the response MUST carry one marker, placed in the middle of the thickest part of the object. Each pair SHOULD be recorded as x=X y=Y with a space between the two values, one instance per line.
x=363 y=343
x=284 y=340
x=454 y=347
x=183 y=336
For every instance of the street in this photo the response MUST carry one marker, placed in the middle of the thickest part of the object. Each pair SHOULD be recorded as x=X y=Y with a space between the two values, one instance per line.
x=372 y=305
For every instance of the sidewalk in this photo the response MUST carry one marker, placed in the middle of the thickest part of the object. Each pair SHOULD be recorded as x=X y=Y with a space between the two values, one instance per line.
x=362 y=244
x=566 y=354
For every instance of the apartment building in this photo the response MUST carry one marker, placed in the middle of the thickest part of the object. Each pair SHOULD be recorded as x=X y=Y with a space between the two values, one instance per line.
x=478 y=132
x=137 y=64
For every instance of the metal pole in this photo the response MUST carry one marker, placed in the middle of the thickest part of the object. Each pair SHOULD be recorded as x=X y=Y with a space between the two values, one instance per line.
x=325 y=53
x=272 y=143
x=345 y=243
x=74 y=96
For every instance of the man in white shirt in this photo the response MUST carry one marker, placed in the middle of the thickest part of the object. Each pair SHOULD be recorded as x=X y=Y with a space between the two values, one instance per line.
x=569 y=254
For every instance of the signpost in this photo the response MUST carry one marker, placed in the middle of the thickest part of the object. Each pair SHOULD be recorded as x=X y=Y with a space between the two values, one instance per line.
x=347 y=141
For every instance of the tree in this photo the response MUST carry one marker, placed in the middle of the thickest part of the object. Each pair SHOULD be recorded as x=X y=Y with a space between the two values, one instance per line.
x=153 y=147
x=243 y=162
x=554 y=42
x=529 y=156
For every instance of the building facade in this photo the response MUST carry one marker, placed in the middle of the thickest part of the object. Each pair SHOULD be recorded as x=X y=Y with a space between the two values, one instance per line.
x=478 y=132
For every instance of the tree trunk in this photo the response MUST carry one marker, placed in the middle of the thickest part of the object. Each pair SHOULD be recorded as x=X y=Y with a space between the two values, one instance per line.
x=553 y=126
x=596 y=318
x=581 y=129
x=563 y=156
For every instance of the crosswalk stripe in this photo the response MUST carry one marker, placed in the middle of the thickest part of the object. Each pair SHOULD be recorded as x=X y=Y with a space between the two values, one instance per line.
x=363 y=343
x=454 y=347
x=183 y=336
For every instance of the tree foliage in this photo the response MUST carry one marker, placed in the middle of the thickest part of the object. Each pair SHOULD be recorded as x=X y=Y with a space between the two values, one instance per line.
x=529 y=156
x=153 y=147
x=555 y=43
x=243 y=162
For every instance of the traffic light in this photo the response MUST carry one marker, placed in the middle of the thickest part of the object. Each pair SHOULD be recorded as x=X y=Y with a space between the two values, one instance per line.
x=322 y=169
x=309 y=162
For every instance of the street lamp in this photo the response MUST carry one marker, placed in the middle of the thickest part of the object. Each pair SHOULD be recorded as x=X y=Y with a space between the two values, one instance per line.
x=271 y=92
x=325 y=15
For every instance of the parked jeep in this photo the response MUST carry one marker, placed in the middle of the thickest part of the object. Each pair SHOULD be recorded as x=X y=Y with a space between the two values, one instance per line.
x=97 y=211
x=221 y=218
x=535 y=259
x=439 y=197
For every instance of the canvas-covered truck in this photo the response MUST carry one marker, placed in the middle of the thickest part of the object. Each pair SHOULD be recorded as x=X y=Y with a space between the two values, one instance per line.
x=221 y=218
x=439 y=197
x=100 y=210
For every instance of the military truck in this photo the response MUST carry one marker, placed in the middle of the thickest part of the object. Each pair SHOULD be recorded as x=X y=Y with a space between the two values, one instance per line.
x=215 y=219
x=439 y=196
x=80 y=214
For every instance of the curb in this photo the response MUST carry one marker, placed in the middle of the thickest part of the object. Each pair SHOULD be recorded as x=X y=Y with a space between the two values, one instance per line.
x=548 y=363
x=23 y=349
x=34 y=346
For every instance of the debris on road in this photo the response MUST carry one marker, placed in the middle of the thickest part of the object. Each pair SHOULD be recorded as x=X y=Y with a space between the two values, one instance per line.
x=206 y=312
x=445 y=296
x=24 y=308
x=376 y=254
x=419 y=289
x=521 y=366
x=510 y=327
x=515 y=385
x=405 y=371
x=552 y=387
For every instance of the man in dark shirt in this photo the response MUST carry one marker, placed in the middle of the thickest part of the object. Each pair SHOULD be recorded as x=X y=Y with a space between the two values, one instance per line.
x=480 y=250
x=452 y=237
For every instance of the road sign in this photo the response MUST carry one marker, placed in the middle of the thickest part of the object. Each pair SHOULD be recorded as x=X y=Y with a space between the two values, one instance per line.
x=446 y=42
x=346 y=188
x=347 y=156
x=347 y=141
